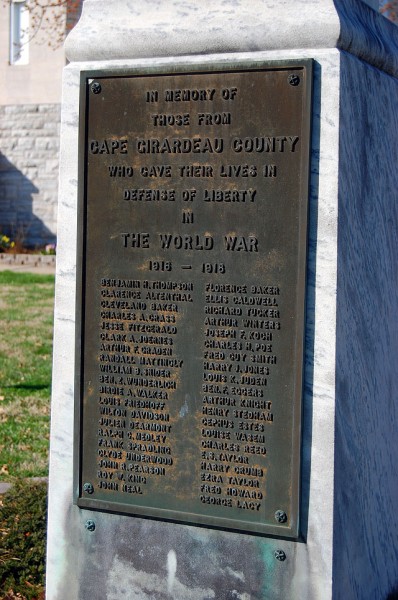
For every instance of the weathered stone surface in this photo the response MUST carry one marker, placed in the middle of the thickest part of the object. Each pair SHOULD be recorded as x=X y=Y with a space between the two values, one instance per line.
x=116 y=536
x=349 y=521
x=153 y=29
x=366 y=450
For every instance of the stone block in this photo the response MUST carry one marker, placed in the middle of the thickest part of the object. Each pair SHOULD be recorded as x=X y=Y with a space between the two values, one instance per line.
x=348 y=547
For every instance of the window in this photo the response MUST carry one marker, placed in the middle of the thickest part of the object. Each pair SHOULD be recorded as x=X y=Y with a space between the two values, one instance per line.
x=19 y=33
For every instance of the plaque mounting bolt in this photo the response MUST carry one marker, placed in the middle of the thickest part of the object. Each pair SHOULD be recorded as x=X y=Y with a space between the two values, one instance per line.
x=88 y=488
x=281 y=516
x=280 y=555
x=89 y=525
x=292 y=79
x=96 y=88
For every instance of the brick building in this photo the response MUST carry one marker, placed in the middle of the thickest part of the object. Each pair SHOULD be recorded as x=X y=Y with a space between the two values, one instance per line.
x=30 y=97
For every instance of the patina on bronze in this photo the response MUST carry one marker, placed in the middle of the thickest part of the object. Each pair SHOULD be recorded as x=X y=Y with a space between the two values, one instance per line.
x=191 y=294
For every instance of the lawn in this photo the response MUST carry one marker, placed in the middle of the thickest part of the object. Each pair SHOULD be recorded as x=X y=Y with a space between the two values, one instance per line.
x=26 y=329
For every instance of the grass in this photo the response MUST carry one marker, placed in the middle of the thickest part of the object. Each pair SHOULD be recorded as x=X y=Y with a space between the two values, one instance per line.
x=26 y=318
x=26 y=321
x=22 y=541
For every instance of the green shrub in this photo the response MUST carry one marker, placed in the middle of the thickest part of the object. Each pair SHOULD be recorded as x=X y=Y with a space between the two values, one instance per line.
x=23 y=515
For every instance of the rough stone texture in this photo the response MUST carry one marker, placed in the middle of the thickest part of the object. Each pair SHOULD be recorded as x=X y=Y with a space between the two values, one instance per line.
x=349 y=521
x=368 y=35
x=372 y=3
x=29 y=145
x=125 y=552
x=366 y=473
x=157 y=28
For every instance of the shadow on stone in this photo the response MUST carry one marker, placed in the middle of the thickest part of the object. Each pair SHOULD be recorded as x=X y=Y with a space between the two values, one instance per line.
x=17 y=218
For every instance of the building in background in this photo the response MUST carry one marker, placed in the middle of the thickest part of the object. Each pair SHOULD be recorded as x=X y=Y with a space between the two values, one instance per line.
x=31 y=63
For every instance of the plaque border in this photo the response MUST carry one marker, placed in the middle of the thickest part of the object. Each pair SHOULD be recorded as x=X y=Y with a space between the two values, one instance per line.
x=211 y=522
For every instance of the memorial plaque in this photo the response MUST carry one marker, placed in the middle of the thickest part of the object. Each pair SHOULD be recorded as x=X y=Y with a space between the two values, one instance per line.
x=191 y=295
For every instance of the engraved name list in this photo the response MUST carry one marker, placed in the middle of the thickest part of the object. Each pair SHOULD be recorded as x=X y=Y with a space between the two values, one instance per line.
x=193 y=210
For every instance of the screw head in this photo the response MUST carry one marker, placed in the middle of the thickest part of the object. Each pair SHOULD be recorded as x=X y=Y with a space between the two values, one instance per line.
x=293 y=79
x=88 y=488
x=89 y=525
x=280 y=555
x=96 y=88
x=281 y=516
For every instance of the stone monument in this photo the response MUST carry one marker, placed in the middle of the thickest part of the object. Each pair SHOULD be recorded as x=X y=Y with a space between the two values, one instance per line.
x=223 y=417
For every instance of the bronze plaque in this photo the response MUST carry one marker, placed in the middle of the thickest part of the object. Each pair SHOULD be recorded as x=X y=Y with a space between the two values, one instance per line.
x=191 y=295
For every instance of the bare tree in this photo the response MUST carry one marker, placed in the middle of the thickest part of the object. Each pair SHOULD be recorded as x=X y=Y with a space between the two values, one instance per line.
x=51 y=20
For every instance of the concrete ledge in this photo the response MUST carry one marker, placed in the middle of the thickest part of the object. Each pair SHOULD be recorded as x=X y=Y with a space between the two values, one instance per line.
x=125 y=30
x=122 y=29
x=39 y=263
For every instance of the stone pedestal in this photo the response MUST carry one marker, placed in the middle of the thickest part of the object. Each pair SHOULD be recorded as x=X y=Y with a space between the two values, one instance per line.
x=348 y=547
